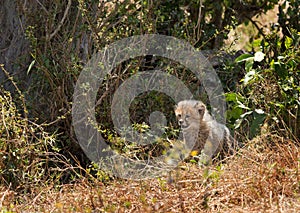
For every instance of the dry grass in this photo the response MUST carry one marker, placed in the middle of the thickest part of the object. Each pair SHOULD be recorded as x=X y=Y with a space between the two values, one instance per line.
x=260 y=178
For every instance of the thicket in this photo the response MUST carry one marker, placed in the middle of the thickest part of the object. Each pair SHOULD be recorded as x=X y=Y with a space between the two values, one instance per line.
x=262 y=87
x=24 y=148
x=267 y=100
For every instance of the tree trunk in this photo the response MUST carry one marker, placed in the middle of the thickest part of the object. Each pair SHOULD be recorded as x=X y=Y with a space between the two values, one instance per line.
x=14 y=48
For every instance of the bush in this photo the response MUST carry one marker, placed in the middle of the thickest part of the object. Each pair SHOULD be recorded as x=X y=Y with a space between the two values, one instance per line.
x=269 y=95
x=26 y=150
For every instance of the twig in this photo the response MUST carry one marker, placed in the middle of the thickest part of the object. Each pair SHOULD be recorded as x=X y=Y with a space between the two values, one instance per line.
x=42 y=6
x=256 y=26
x=61 y=22
x=3 y=197
x=198 y=25
x=18 y=90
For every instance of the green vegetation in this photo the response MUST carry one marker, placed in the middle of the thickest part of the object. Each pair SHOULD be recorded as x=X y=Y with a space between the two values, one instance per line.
x=42 y=167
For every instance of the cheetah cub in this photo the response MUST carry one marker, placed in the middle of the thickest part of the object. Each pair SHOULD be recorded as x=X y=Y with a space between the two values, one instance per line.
x=201 y=133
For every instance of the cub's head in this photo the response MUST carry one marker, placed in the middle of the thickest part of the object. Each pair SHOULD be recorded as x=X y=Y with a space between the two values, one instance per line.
x=189 y=112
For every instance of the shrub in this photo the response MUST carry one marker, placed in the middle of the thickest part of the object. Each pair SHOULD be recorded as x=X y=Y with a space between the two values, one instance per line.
x=25 y=148
x=270 y=93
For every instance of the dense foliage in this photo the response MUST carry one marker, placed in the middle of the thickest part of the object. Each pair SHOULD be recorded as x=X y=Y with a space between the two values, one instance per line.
x=270 y=93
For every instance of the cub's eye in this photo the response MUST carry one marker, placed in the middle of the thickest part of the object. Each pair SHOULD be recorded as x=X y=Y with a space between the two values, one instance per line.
x=179 y=115
x=187 y=116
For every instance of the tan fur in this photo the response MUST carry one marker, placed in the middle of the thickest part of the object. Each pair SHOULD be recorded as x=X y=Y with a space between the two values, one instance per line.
x=200 y=129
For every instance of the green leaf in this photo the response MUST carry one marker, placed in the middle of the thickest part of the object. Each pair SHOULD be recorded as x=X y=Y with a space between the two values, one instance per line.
x=246 y=113
x=231 y=96
x=244 y=57
x=288 y=42
x=239 y=121
x=281 y=70
x=249 y=64
x=259 y=111
x=249 y=76
x=256 y=43
x=30 y=66
x=235 y=113
x=242 y=106
x=258 y=120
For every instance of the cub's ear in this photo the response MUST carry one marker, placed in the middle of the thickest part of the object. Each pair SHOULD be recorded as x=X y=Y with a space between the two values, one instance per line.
x=201 y=108
x=175 y=106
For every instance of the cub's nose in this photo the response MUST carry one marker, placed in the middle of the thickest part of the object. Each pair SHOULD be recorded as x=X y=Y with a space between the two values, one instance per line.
x=180 y=122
